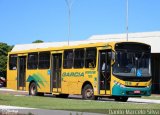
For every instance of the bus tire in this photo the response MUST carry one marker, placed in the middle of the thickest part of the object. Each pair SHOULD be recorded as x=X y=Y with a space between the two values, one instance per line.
x=88 y=93
x=121 y=99
x=33 y=89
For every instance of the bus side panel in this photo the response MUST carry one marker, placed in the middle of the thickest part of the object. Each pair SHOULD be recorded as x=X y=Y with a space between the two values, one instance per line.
x=70 y=80
x=12 y=85
x=73 y=80
x=91 y=75
x=41 y=77
x=12 y=79
x=65 y=85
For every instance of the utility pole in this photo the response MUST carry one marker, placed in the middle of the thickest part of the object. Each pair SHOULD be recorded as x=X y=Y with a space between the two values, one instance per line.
x=127 y=20
x=69 y=5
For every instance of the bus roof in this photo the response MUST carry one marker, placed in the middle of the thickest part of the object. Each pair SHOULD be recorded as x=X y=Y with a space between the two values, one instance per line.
x=37 y=47
x=56 y=45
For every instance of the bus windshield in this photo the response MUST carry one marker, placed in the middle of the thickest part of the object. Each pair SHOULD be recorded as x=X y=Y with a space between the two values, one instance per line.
x=132 y=64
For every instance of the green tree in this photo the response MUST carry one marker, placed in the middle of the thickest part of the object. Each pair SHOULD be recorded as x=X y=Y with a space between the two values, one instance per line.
x=4 y=49
x=38 y=41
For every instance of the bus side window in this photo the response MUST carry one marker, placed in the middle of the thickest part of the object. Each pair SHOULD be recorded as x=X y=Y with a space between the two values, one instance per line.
x=32 y=61
x=68 y=59
x=13 y=62
x=90 y=60
x=79 y=58
x=44 y=60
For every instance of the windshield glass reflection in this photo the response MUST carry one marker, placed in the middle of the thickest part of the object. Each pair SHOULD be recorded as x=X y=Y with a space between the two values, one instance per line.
x=132 y=64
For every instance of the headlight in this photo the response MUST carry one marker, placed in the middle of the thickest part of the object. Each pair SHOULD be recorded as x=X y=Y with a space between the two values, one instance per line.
x=117 y=83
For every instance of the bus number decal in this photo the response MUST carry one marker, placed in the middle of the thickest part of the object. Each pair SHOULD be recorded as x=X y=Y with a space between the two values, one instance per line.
x=128 y=83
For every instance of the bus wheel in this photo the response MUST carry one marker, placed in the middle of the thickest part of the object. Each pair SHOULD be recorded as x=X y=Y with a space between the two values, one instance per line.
x=33 y=89
x=88 y=93
x=121 y=99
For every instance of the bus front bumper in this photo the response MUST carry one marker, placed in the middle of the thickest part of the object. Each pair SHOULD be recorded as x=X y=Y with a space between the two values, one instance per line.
x=117 y=90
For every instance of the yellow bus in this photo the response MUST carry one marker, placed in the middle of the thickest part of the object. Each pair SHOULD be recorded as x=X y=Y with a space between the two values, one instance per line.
x=112 y=69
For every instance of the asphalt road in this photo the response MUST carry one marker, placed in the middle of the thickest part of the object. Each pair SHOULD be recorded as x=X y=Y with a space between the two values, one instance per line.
x=61 y=112
x=13 y=110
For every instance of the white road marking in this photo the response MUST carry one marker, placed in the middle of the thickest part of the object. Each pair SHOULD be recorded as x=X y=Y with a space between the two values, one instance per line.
x=5 y=89
x=139 y=100
x=13 y=107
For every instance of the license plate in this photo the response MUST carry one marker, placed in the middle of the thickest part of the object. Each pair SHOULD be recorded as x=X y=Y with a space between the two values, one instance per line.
x=137 y=91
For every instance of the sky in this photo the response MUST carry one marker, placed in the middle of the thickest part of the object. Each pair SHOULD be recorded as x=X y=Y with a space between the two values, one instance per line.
x=24 y=21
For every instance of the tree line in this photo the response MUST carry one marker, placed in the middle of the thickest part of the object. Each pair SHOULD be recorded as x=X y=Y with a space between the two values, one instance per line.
x=4 y=49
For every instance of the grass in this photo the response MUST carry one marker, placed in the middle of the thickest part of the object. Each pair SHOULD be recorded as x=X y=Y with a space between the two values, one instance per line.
x=69 y=104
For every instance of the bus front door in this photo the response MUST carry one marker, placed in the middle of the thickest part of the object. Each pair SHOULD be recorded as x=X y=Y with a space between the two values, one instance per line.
x=21 y=79
x=104 y=71
x=56 y=72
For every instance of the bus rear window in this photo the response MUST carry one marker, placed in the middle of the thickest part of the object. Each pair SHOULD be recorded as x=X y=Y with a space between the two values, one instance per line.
x=13 y=62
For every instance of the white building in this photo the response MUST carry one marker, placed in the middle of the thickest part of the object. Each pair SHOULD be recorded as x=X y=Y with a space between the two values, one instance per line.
x=152 y=38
